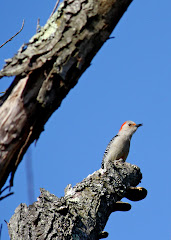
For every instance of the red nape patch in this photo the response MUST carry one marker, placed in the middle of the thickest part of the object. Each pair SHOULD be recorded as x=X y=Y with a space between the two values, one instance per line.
x=122 y=126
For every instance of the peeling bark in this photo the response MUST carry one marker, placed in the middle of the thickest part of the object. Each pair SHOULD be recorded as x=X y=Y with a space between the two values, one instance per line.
x=46 y=69
x=83 y=211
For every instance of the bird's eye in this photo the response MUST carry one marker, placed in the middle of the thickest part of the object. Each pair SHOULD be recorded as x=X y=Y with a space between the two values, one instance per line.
x=129 y=124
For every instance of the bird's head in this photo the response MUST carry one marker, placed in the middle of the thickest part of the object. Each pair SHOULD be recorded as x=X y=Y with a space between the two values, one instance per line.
x=129 y=128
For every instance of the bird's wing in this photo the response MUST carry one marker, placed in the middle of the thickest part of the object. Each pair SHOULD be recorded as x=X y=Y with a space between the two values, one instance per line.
x=107 y=150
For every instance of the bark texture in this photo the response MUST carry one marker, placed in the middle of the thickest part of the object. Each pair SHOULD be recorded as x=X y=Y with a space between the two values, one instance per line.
x=83 y=211
x=46 y=69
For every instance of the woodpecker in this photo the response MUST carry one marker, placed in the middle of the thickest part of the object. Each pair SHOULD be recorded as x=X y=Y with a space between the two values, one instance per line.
x=118 y=147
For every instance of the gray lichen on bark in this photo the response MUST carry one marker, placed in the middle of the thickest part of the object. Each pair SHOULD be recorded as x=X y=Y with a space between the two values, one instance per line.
x=83 y=211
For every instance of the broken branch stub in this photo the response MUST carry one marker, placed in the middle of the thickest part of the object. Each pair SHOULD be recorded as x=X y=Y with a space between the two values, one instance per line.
x=83 y=211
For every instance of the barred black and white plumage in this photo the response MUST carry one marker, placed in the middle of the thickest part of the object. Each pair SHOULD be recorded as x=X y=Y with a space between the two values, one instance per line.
x=107 y=150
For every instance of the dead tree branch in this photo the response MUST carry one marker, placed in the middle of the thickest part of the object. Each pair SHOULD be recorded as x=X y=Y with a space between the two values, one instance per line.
x=46 y=69
x=84 y=210
x=56 y=5
x=13 y=35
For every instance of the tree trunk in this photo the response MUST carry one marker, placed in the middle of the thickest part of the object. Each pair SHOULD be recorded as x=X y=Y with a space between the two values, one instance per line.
x=46 y=69
x=84 y=210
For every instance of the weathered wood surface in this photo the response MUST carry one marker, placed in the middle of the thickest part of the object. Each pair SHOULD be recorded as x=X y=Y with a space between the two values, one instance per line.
x=84 y=210
x=46 y=69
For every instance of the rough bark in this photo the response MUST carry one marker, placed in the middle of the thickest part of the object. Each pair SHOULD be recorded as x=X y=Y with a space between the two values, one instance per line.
x=84 y=210
x=46 y=69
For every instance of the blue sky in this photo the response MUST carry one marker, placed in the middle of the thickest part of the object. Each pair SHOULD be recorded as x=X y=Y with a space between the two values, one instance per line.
x=129 y=79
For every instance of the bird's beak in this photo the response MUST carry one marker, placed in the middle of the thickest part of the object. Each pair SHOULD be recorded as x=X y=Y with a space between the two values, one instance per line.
x=139 y=125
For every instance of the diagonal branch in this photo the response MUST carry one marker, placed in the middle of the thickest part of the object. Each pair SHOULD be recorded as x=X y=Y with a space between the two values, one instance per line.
x=56 y=5
x=47 y=68
x=13 y=35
